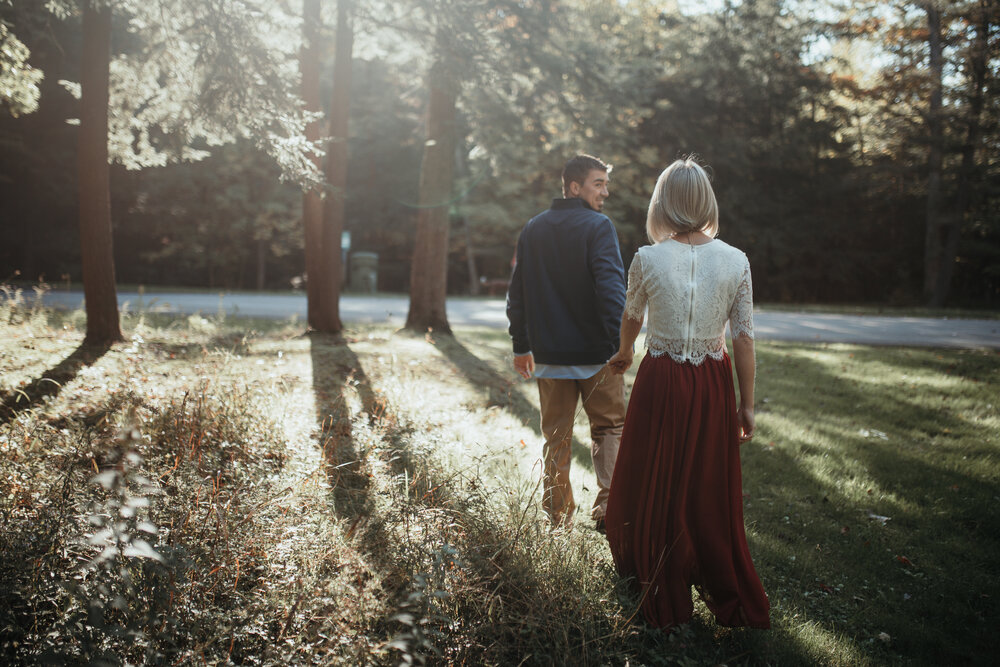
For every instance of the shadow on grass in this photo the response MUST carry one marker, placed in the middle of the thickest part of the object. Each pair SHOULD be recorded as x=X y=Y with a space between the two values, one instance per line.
x=874 y=515
x=502 y=392
x=337 y=372
x=51 y=382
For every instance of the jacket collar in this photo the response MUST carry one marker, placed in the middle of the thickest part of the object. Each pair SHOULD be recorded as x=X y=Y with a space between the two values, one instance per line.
x=560 y=204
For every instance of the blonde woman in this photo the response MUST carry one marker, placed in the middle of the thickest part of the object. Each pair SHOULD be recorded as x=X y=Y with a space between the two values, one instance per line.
x=675 y=514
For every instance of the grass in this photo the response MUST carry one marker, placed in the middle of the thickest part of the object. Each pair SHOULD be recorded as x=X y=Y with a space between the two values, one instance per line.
x=983 y=313
x=372 y=499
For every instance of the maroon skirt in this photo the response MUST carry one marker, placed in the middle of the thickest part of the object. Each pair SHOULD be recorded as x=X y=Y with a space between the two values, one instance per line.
x=675 y=513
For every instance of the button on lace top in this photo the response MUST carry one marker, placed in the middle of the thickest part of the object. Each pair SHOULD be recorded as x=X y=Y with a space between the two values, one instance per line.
x=691 y=291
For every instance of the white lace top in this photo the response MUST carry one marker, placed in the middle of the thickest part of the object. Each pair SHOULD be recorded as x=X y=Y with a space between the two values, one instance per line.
x=691 y=292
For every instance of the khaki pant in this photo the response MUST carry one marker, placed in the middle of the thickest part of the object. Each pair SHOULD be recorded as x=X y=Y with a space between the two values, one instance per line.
x=604 y=401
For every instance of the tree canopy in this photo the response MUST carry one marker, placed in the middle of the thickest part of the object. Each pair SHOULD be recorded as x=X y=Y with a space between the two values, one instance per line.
x=830 y=164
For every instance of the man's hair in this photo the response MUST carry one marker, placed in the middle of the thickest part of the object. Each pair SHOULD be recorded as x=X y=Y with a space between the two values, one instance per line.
x=683 y=201
x=577 y=168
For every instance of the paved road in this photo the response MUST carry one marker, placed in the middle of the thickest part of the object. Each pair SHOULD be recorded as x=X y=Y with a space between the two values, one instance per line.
x=866 y=330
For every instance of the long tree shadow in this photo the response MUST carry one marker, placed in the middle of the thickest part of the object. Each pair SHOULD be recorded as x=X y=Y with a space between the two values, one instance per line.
x=337 y=373
x=51 y=382
x=501 y=391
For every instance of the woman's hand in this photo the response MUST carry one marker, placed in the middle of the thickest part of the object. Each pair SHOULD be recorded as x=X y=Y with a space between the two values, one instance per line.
x=744 y=417
x=621 y=362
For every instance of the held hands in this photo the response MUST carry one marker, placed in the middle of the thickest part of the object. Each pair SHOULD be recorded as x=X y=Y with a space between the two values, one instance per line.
x=524 y=364
x=744 y=417
x=621 y=361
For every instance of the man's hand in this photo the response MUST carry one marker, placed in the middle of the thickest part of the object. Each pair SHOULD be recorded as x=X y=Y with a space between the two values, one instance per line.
x=621 y=362
x=525 y=365
x=744 y=417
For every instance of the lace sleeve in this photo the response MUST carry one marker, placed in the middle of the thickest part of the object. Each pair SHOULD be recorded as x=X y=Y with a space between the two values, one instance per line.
x=741 y=312
x=635 y=297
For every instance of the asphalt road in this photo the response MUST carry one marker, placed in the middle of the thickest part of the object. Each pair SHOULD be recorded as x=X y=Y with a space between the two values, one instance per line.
x=817 y=328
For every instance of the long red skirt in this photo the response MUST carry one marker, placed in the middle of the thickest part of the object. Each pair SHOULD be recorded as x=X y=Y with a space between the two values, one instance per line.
x=675 y=513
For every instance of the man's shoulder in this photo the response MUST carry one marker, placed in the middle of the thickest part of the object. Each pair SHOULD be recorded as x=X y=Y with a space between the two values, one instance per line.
x=593 y=221
x=585 y=217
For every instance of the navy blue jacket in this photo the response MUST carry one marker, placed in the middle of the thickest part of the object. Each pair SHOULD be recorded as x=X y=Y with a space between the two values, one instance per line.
x=567 y=291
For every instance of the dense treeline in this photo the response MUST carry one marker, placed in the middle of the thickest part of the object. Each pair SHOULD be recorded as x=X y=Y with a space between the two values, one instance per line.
x=854 y=152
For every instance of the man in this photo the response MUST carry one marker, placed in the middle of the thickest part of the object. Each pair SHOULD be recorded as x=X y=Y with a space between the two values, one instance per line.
x=565 y=303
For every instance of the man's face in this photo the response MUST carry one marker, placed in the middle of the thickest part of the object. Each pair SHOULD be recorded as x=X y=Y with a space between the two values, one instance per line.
x=593 y=190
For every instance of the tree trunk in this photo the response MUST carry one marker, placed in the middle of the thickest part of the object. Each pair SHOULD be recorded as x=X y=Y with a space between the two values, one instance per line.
x=96 y=249
x=933 y=241
x=978 y=54
x=312 y=202
x=336 y=168
x=429 y=271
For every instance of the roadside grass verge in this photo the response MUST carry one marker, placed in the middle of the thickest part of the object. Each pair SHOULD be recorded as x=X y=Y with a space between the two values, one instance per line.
x=372 y=499
x=984 y=313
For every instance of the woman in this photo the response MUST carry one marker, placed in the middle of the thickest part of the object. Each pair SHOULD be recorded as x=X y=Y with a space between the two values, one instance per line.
x=675 y=513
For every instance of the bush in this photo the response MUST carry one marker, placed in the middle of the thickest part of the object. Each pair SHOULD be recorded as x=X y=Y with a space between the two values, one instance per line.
x=150 y=558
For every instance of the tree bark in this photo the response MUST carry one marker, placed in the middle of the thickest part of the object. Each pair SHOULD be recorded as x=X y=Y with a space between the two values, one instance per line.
x=429 y=271
x=336 y=168
x=312 y=202
x=96 y=248
x=976 y=62
x=933 y=241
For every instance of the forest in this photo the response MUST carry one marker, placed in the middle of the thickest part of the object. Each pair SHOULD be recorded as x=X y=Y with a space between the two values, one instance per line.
x=853 y=145
x=211 y=488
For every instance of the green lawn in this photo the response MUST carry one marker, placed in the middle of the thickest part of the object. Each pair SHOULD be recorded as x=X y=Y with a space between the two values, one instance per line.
x=373 y=498
x=984 y=313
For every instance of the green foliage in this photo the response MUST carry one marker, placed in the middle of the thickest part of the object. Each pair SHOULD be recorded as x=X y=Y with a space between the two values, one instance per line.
x=885 y=80
x=123 y=585
x=194 y=75
x=421 y=614
x=183 y=214
x=385 y=149
x=810 y=115
x=119 y=569
x=18 y=80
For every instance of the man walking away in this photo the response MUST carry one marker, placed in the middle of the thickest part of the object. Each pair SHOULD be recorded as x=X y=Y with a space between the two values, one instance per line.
x=565 y=303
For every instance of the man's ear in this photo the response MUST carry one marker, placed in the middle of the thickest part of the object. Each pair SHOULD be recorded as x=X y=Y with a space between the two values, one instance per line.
x=574 y=188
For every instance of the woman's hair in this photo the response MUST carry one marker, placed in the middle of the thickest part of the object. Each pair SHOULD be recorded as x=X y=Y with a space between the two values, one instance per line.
x=683 y=201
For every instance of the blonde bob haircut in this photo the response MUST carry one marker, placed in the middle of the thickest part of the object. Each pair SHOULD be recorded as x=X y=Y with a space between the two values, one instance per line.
x=683 y=201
